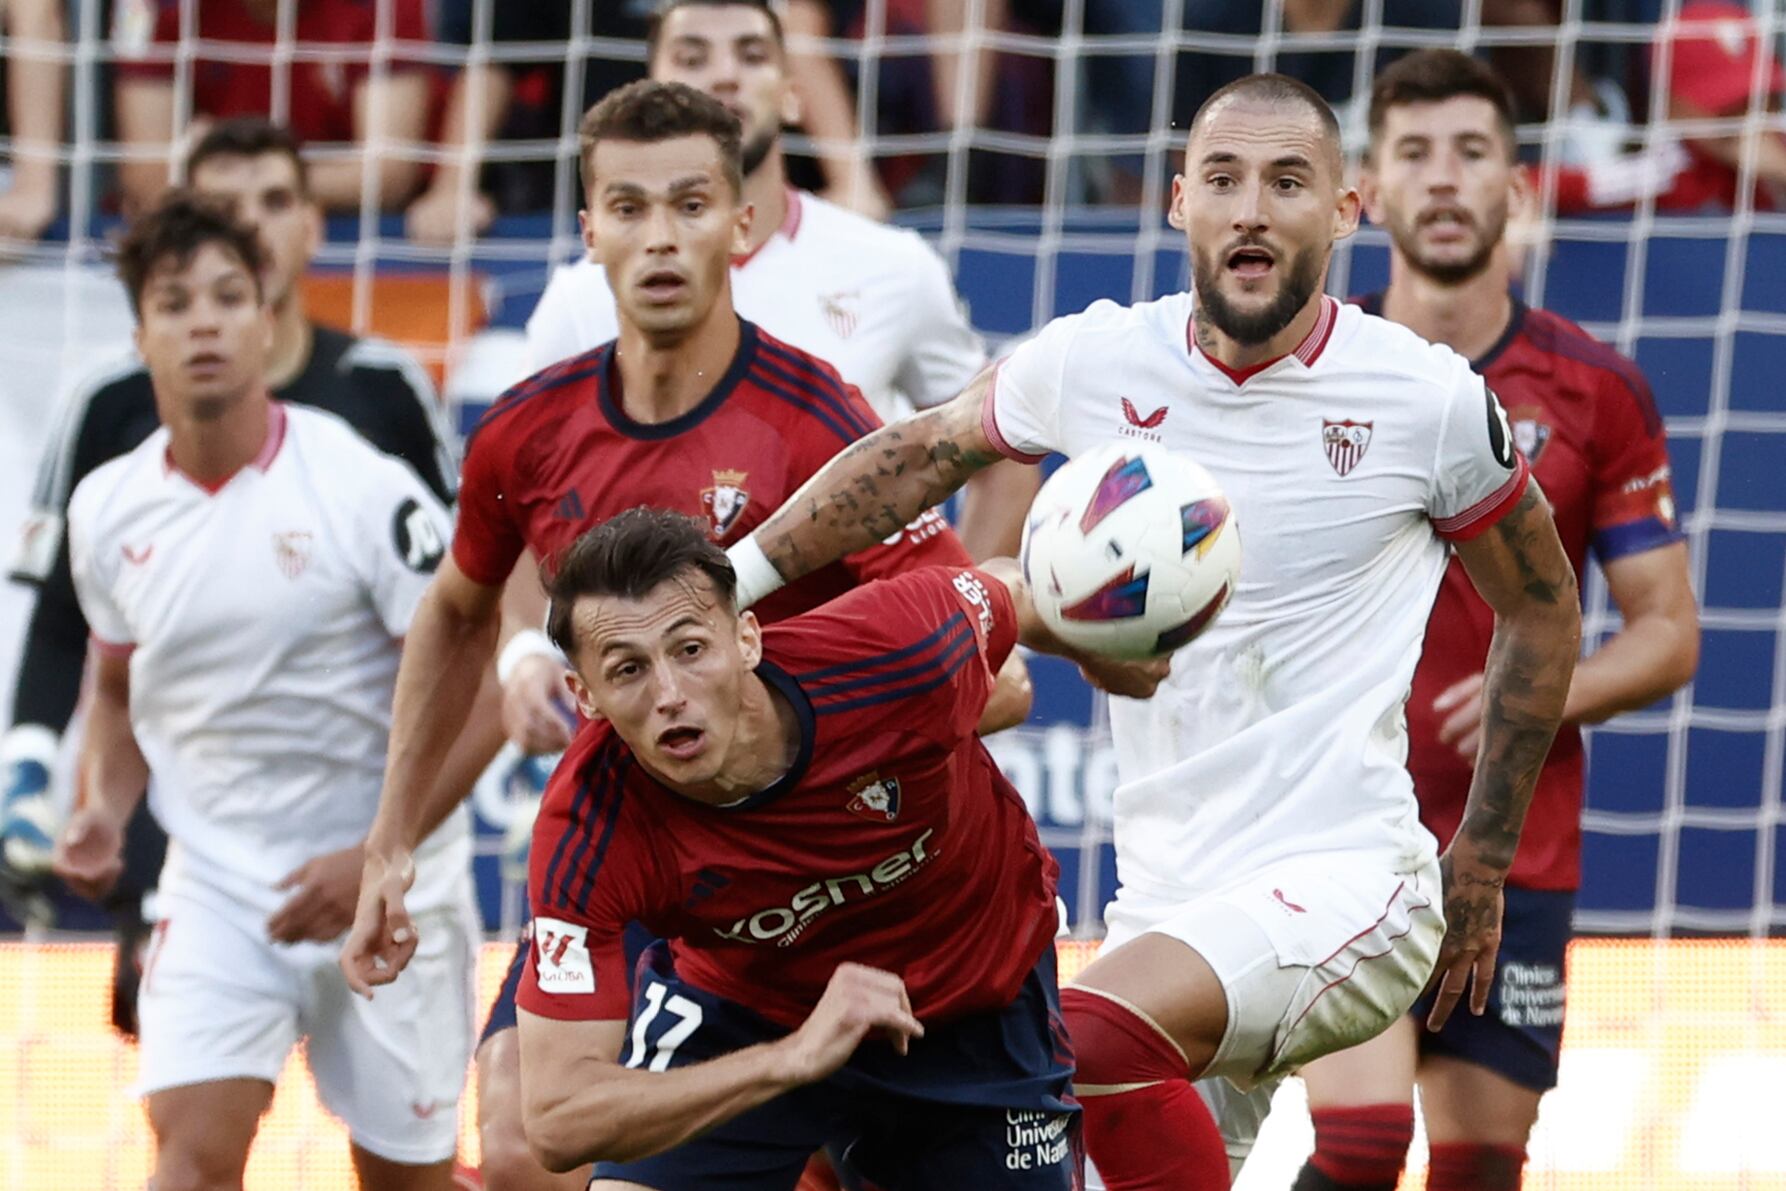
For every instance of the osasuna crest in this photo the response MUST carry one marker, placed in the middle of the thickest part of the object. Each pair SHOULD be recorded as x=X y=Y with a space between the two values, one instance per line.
x=841 y=311
x=726 y=501
x=292 y=552
x=1345 y=442
x=1529 y=433
x=876 y=798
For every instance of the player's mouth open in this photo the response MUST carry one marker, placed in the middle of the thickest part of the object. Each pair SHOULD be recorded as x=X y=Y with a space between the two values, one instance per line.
x=681 y=743
x=663 y=285
x=1250 y=261
x=1446 y=222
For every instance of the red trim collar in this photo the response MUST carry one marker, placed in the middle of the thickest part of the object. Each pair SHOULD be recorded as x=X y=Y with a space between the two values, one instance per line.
x=263 y=459
x=1308 y=351
x=790 y=227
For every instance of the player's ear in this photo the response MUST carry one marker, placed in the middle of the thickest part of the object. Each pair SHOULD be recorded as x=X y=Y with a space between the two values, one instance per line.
x=789 y=107
x=750 y=639
x=1345 y=212
x=586 y=227
x=1175 y=214
x=747 y=213
x=1370 y=190
x=581 y=694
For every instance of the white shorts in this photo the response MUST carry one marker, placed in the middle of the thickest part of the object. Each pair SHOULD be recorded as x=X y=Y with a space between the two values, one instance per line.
x=220 y=1001
x=1316 y=955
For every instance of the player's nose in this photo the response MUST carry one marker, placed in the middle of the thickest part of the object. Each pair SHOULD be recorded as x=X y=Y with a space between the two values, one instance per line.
x=1249 y=207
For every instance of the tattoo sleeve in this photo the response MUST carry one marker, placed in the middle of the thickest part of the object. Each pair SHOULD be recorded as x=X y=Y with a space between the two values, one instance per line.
x=1521 y=570
x=878 y=484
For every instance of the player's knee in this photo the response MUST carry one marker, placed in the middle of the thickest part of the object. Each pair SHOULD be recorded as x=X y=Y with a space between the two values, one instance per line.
x=1115 y=1046
x=192 y=1166
x=1359 y=1146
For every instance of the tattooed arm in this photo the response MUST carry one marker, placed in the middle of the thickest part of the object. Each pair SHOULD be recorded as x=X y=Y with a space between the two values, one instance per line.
x=1519 y=567
x=872 y=488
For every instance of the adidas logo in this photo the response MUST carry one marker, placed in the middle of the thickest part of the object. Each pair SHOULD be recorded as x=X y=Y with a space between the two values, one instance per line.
x=570 y=507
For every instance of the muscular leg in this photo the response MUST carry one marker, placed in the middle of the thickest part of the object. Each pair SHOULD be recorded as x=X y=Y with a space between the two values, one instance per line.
x=1362 y=1102
x=508 y=1164
x=203 y=1131
x=1477 y=1122
x=381 y=1174
x=1147 y=1017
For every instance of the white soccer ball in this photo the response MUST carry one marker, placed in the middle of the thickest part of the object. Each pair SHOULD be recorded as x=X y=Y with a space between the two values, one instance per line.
x=1130 y=551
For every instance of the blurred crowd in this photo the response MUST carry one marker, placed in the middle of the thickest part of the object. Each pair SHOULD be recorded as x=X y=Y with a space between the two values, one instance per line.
x=467 y=104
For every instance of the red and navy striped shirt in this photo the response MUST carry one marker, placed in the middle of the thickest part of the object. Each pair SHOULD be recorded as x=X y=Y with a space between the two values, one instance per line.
x=1583 y=417
x=557 y=455
x=894 y=840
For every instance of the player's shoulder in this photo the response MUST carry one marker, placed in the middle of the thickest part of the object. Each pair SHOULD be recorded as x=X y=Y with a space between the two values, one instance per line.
x=540 y=396
x=896 y=635
x=375 y=359
x=830 y=227
x=1367 y=343
x=111 y=390
x=805 y=393
x=111 y=494
x=585 y=813
x=1595 y=369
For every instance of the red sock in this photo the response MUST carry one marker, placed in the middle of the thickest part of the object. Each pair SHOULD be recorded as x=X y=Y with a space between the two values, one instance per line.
x=1362 y=1145
x=1159 y=1136
x=1469 y=1167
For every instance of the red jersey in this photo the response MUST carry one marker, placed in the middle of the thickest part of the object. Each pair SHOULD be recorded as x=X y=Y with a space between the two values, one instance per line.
x=1583 y=417
x=557 y=455
x=894 y=840
x=319 y=98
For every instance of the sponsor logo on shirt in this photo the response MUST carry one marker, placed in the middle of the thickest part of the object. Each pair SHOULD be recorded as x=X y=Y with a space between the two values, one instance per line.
x=974 y=592
x=1345 y=443
x=927 y=526
x=561 y=960
x=292 y=551
x=876 y=798
x=1138 y=425
x=782 y=925
x=726 y=501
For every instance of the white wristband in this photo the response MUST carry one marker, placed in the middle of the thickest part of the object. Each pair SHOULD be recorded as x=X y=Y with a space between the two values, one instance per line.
x=757 y=576
x=528 y=643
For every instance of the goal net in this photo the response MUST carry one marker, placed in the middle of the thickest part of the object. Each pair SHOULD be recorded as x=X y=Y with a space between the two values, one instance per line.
x=1035 y=141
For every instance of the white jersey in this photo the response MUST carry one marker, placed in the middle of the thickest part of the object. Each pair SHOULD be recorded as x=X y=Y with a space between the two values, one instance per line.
x=874 y=302
x=263 y=620
x=1280 y=732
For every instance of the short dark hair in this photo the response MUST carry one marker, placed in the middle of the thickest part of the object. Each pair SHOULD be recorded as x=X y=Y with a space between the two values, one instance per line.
x=176 y=228
x=648 y=111
x=654 y=32
x=249 y=136
x=1435 y=75
x=1276 y=88
x=628 y=556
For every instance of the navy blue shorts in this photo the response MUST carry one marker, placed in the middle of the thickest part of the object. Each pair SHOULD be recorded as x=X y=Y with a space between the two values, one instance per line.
x=984 y=1102
x=502 y=1009
x=1522 y=1031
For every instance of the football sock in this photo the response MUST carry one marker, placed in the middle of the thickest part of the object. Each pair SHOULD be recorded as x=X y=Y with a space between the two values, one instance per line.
x=1358 y=1148
x=1146 y=1127
x=1469 y=1167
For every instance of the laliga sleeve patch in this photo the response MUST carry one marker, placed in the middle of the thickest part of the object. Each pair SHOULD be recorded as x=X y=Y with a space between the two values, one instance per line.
x=417 y=538
x=39 y=539
x=561 y=960
x=1500 y=435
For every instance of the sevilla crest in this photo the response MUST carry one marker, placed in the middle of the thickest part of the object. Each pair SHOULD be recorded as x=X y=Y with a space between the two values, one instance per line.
x=726 y=501
x=1345 y=442
x=292 y=552
x=876 y=798
x=840 y=311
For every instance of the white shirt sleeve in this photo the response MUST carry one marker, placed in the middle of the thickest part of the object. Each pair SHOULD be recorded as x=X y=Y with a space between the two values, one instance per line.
x=95 y=571
x=1478 y=473
x=575 y=314
x=945 y=351
x=403 y=536
x=1022 y=412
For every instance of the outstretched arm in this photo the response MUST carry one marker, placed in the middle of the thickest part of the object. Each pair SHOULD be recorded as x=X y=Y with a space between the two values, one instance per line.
x=870 y=491
x=1520 y=569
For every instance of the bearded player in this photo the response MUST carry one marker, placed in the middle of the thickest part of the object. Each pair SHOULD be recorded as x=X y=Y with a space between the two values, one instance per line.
x=856 y=917
x=692 y=408
x=1440 y=175
x=1277 y=896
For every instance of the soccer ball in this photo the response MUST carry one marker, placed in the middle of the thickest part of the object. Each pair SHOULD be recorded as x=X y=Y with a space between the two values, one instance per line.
x=1130 y=551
